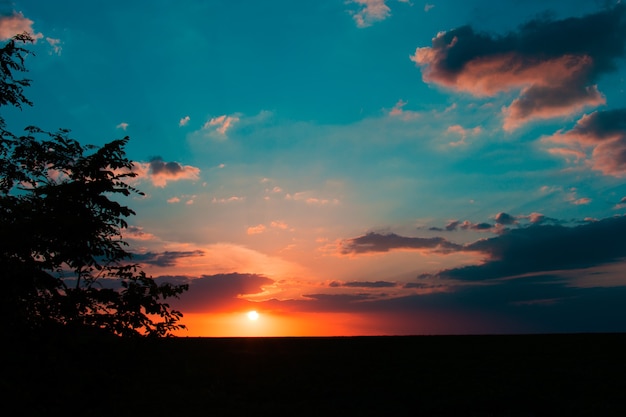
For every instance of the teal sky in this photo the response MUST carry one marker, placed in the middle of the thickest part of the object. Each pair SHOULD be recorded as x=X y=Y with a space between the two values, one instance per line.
x=400 y=163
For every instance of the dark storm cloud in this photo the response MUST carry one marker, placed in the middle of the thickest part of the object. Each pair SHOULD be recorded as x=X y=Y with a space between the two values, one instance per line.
x=163 y=259
x=554 y=64
x=602 y=136
x=364 y=284
x=211 y=292
x=375 y=242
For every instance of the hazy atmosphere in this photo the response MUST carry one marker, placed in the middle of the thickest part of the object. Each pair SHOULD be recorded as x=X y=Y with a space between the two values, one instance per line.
x=355 y=167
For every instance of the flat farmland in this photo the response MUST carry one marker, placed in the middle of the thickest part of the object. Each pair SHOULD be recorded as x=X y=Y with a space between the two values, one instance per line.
x=520 y=375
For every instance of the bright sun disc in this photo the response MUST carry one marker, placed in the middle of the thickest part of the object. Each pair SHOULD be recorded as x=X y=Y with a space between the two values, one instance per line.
x=253 y=315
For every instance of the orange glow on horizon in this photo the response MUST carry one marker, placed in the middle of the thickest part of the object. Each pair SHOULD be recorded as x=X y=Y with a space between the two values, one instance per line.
x=240 y=324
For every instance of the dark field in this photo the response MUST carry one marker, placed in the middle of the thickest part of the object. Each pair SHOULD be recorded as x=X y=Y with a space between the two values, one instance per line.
x=542 y=375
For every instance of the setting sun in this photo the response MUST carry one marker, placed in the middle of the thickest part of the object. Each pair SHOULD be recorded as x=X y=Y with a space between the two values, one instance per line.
x=253 y=315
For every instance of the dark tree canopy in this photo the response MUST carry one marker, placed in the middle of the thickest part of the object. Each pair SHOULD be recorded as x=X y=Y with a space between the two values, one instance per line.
x=62 y=258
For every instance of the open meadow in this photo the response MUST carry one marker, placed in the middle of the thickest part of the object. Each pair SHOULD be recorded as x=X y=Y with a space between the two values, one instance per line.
x=537 y=375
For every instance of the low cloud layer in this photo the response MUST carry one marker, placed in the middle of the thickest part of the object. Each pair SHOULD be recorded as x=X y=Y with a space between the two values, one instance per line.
x=375 y=242
x=553 y=64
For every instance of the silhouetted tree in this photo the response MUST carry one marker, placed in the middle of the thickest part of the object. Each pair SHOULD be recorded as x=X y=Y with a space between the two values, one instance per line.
x=62 y=258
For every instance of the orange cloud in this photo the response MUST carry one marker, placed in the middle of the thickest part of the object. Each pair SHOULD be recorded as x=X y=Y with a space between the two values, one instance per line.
x=15 y=25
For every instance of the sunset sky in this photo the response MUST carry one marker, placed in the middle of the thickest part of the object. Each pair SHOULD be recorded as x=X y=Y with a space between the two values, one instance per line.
x=356 y=167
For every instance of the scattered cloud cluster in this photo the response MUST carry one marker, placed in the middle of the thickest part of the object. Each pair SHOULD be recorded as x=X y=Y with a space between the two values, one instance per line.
x=553 y=65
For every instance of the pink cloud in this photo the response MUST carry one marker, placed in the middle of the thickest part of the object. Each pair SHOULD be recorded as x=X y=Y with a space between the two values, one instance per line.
x=15 y=25
x=598 y=139
x=371 y=11
x=221 y=124
x=184 y=121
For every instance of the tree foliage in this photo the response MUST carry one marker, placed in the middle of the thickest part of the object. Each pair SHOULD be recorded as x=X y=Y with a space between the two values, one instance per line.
x=62 y=257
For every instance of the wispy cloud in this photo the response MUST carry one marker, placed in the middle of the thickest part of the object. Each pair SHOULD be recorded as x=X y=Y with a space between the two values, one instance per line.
x=55 y=44
x=184 y=121
x=553 y=64
x=122 y=126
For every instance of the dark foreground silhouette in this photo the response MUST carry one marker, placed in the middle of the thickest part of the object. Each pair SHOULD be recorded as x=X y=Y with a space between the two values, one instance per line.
x=539 y=375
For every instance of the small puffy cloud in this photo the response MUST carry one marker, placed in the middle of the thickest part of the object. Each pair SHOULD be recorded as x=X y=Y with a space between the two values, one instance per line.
x=221 y=124
x=15 y=25
x=553 y=65
x=161 y=172
x=184 y=121
x=122 y=126
x=599 y=139
x=463 y=133
x=370 y=12
x=255 y=230
x=428 y=7
x=173 y=200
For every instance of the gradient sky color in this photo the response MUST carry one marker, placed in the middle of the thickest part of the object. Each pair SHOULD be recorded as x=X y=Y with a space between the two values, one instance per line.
x=356 y=167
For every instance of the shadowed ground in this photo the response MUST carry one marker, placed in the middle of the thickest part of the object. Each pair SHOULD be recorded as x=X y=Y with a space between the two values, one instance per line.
x=540 y=375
